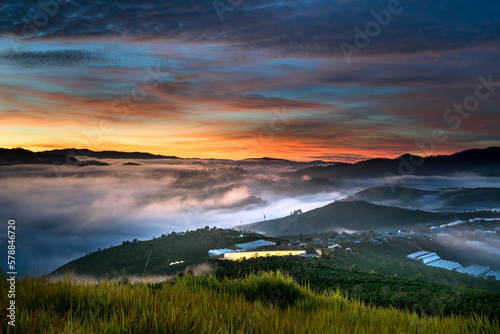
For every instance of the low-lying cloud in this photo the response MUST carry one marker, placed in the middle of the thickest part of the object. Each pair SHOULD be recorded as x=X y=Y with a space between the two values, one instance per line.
x=64 y=212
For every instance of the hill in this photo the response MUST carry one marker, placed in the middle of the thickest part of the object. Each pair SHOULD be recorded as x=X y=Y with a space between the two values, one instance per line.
x=378 y=275
x=460 y=199
x=481 y=161
x=18 y=156
x=131 y=257
x=71 y=152
x=264 y=303
x=355 y=215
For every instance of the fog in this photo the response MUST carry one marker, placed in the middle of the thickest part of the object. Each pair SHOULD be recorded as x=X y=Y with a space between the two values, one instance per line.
x=463 y=180
x=468 y=247
x=64 y=212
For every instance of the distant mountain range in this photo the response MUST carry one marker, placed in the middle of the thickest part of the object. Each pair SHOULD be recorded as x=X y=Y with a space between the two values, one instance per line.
x=110 y=154
x=18 y=156
x=69 y=156
x=357 y=216
x=481 y=161
x=436 y=200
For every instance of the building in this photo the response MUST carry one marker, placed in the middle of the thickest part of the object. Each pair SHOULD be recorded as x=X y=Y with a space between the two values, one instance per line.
x=348 y=250
x=221 y=251
x=335 y=247
x=310 y=253
x=405 y=232
x=414 y=256
x=254 y=245
x=433 y=260
x=236 y=256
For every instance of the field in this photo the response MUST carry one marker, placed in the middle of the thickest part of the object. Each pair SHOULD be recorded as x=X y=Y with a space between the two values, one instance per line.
x=258 y=303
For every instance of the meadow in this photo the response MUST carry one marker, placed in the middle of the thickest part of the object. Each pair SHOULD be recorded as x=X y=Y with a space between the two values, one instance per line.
x=265 y=302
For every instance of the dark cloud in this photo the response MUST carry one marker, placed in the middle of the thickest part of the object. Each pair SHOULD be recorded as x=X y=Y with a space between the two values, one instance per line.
x=292 y=27
x=58 y=58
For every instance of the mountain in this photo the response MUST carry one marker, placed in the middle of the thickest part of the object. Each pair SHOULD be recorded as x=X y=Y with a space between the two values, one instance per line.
x=18 y=156
x=460 y=199
x=276 y=161
x=355 y=215
x=110 y=154
x=481 y=161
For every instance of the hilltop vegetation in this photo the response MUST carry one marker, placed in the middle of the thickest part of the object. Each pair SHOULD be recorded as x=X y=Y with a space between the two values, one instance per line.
x=131 y=257
x=356 y=215
x=264 y=303
x=373 y=288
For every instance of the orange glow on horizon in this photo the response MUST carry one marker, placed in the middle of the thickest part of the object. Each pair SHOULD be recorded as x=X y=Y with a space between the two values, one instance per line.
x=187 y=152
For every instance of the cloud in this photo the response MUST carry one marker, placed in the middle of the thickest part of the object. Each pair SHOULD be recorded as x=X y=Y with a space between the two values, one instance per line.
x=296 y=27
x=64 y=212
x=57 y=58
x=67 y=211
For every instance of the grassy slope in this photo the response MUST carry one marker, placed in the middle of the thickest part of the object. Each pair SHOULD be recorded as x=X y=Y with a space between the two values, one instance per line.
x=355 y=215
x=388 y=259
x=268 y=303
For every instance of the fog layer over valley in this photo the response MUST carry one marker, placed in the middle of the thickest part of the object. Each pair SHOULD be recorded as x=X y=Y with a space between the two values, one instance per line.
x=64 y=212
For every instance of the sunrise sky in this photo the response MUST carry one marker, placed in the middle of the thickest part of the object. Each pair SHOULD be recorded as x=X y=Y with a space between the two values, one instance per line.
x=240 y=79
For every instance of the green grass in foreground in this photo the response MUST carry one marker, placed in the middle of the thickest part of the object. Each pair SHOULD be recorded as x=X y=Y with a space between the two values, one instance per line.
x=263 y=303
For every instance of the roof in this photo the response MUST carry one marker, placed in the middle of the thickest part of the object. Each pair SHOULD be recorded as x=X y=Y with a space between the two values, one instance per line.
x=430 y=259
x=417 y=254
x=255 y=244
x=247 y=255
x=221 y=251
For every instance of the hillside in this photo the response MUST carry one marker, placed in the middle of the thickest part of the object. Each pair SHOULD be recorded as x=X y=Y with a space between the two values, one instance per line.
x=18 y=156
x=264 y=303
x=131 y=257
x=355 y=215
x=461 y=199
x=481 y=161
x=70 y=152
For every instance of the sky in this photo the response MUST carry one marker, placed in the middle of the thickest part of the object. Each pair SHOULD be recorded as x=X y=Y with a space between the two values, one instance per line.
x=232 y=79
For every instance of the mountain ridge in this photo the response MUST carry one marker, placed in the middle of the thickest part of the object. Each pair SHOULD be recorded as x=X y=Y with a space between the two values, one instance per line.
x=358 y=216
x=446 y=199
x=481 y=161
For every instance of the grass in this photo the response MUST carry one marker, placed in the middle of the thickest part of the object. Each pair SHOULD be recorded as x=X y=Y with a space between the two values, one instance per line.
x=267 y=302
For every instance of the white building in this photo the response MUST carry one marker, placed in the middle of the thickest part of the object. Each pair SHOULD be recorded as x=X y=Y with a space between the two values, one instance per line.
x=254 y=244
x=218 y=252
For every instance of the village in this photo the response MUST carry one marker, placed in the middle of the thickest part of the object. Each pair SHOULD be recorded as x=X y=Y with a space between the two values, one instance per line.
x=331 y=242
